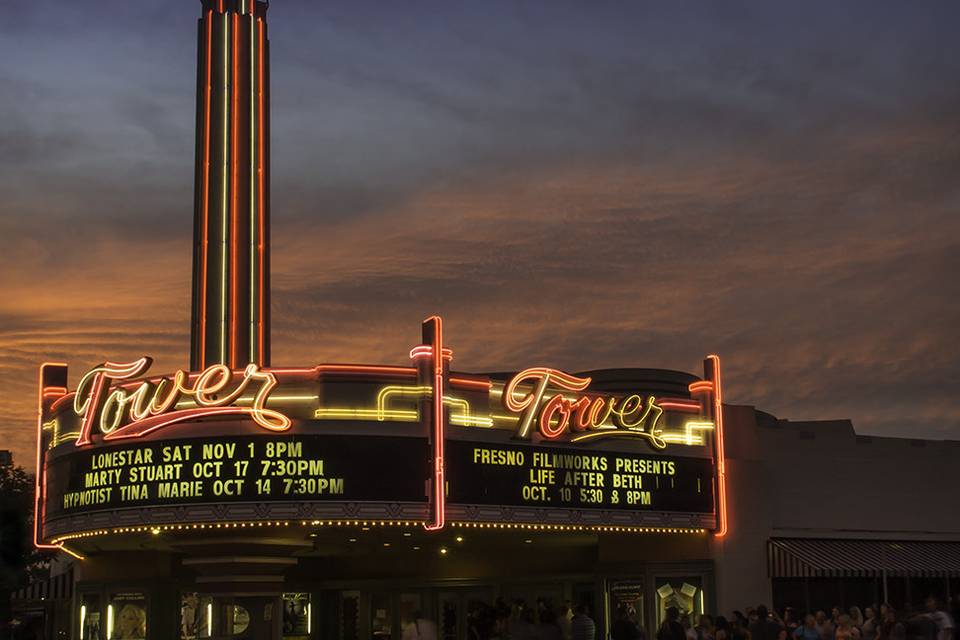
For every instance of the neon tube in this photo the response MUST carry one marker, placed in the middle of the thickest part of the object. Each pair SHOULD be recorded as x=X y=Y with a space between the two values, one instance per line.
x=721 y=452
x=109 y=622
x=38 y=491
x=260 y=178
x=206 y=193
x=253 y=206
x=439 y=486
x=483 y=385
x=209 y=619
x=83 y=618
x=223 y=223
x=235 y=204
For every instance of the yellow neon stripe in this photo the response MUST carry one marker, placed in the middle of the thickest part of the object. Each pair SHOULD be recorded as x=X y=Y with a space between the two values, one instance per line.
x=619 y=433
x=471 y=421
x=391 y=390
x=63 y=437
x=368 y=414
x=190 y=403
x=73 y=553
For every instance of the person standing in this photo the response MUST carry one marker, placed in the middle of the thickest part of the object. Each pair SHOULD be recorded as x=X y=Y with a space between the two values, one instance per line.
x=722 y=630
x=582 y=626
x=547 y=627
x=705 y=629
x=856 y=616
x=623 y=628
x=671 y=629
x=943 y=620
x=808 y=630
x=871 y=625
x=420 y=628
x=845 y=629
x=565 y=620
x=825 y=626
x=789 y=621
x=764 y=628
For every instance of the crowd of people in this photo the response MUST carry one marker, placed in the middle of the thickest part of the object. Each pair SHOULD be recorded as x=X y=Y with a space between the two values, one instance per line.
x=936 y=621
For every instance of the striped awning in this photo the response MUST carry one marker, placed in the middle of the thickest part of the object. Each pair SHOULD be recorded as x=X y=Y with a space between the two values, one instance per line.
x=811 y=557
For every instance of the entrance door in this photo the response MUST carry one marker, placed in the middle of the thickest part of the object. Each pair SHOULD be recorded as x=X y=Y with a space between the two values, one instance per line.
x=246 y=618
x=460 y=609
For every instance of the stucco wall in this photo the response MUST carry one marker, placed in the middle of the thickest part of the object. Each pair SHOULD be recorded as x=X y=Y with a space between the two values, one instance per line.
x=820 y=480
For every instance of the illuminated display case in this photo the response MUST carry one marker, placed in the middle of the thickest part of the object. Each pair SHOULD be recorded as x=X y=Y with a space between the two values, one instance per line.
x=127 y=616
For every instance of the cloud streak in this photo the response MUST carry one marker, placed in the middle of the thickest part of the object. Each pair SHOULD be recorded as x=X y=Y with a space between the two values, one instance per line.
x=568 y=187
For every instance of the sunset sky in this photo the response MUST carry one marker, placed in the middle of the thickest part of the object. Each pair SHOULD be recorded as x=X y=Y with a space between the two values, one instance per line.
x=570 y=184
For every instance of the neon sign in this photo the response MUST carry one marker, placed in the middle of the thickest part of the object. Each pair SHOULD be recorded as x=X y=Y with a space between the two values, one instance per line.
x=122 y=412
x=584 y=418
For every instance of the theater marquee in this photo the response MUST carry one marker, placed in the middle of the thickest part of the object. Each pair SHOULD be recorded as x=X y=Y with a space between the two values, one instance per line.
x=352 y=442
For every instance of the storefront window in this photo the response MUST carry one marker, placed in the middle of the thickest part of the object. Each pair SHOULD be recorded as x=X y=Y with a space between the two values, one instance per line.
x=412 y=616
x=89 y=614
x=448 y=617
x=196 y=616
x=626 y=603
x=296 y=616
x=686 y=594
x=350 y=615
x=127 y=617
x=238 y=619
x=381 y=623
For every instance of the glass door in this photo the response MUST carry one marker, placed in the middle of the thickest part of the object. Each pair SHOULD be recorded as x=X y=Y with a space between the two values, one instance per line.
x=625 y=607
x=467 y=612
x=245 y=618
x=684 y=593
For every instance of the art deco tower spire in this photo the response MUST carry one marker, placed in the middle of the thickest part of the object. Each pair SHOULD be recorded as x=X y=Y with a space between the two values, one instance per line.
x=231 y=257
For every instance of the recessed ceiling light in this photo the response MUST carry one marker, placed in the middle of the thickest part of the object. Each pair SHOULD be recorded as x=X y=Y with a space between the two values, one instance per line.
x=365 y=528
x=443 y=551
x=528 y=540
x=416 y=548
x=459 y=538
x=353 y=540
x=407 y=534
x=386 y=544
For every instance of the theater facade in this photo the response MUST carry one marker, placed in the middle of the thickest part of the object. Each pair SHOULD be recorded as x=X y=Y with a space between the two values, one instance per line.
x=336 y=500
x=242 y=498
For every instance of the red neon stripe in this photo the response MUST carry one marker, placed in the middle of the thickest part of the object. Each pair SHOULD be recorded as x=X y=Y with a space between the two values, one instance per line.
x=260 y=244
x=484 y=385
x=439 y=486
x=701 y=386
x=347 y=369
x=206 y=194
x=679 y=404
x=426 y=351
x=40 y=492
x=147 y=425
x=722 y=525
x=357 y=369
x=234 y=213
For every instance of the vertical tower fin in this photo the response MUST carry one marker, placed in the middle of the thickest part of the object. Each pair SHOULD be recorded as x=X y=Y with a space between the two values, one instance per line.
x=231 y=258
